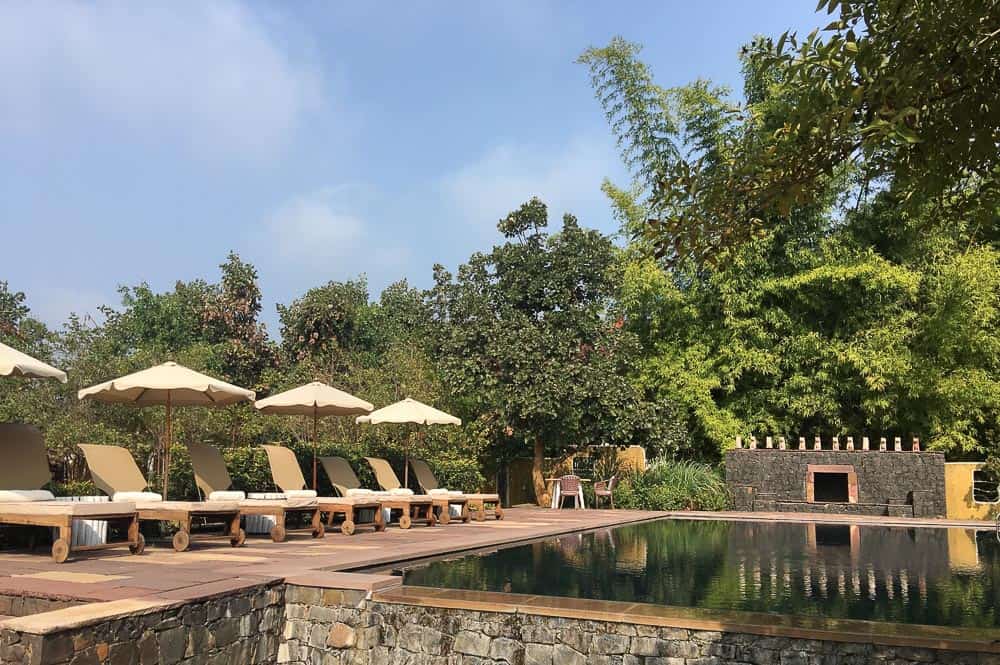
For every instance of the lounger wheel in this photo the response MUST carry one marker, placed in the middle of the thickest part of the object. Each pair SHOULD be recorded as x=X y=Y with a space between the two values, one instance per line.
x=319 y=532
x=405 y=522
x=498 y=513
x=278 y=534
x=139 y=546
x=181 y=541
x=347 y=528
x=60 y=551
x=445 y=517
x=238 y=539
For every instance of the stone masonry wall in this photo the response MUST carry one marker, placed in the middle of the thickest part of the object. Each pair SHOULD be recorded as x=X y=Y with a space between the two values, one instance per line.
x=242 y=628
x=339 y=627
x=319 y=629
x=777 y=480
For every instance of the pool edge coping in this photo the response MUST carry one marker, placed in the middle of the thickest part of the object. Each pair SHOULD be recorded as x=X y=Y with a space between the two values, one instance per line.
x=725 y=621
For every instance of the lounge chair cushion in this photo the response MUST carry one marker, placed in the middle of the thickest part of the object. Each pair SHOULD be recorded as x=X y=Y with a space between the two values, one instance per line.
x=441 y=490
x=189 y=506
x=269 y=496
x=359 y=491
x=300 y=494
x=75 y=508
x=401 y=491
x=143 y=497
x=25 y=495
x=227 y=495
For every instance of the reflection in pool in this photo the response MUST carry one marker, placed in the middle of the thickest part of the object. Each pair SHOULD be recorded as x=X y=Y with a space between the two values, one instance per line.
x=905 y=575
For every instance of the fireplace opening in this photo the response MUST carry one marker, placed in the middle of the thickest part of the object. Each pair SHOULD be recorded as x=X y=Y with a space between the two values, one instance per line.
x=830 y=488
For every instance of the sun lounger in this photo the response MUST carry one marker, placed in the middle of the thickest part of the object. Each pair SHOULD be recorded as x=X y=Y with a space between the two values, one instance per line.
x=115 y=472
x=478 y=503
x=421 y=507
x=289 y=479
x=24 y=470
x=215 y=484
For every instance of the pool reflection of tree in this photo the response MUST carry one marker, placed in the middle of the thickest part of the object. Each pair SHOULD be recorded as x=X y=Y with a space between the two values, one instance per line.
x=885 y=574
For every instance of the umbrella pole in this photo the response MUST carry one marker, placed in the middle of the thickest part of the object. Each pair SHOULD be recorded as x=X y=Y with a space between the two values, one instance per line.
x=166 y=456
x=315 y=440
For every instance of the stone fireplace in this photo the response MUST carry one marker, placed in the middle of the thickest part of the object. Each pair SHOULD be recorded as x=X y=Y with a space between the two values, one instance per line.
x=897 y=483
x=831 y=483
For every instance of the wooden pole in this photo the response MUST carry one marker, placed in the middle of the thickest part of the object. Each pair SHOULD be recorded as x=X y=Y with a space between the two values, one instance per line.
x=166 y=456
x=315 y=442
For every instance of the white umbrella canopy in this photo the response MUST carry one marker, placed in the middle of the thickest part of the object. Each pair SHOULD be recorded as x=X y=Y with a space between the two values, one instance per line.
x=15 y=363
x=167 y=385
x=314 y=399
x=168 y=382
x=409 y=411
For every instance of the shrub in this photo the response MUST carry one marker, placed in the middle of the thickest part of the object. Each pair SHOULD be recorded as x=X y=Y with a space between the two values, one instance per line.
x=669 y=484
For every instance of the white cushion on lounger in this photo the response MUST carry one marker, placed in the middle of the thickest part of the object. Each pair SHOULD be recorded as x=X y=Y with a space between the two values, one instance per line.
x=137 y=496
x=441 y=490
x=269 y=496
x=301 y=494
x=10 y=496
x=401 y=491
x=227 y=495
x=359 y=491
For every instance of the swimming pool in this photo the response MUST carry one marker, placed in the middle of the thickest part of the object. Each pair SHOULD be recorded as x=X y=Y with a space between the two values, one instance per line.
x=923 y=575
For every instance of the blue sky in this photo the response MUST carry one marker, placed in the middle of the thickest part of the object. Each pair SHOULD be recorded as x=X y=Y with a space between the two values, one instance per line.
x=143 y=141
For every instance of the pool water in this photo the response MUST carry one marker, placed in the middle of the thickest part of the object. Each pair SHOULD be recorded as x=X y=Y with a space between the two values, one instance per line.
x=933 y=576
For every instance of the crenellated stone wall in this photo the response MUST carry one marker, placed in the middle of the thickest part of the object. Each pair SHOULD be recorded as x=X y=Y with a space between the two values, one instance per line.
x=891 y=483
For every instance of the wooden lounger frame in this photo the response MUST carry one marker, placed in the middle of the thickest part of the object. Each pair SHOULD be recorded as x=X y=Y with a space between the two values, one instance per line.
x=349 y=510
x=63 y=547
x=26 y=466
x=211 y=475
x=113 y=470
x=478 y=502
x=183 y=537
x=279 y=532
x=479 y=505
x=442 y=507
x=415 y=509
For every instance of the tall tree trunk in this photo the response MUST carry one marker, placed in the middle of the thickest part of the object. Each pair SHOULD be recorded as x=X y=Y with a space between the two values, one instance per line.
x=537 y=477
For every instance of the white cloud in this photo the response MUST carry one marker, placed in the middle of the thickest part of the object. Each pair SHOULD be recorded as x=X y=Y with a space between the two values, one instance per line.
x=567 y=179
x=211 y=76
x=324 y=230
x=316 y=228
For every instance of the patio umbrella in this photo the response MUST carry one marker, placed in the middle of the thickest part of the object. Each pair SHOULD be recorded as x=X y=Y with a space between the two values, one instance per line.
x=409 y=411
x=167 y=385
x=314 y=399
x=15 y=363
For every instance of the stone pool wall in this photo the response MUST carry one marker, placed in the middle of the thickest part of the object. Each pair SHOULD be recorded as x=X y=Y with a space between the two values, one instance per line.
x=243 y=627
x=332 y=629
x=304 y=625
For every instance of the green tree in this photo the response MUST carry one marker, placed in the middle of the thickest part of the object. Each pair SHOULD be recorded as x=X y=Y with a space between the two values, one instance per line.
x=527 y=343
x=899 y=95
x=827 y=318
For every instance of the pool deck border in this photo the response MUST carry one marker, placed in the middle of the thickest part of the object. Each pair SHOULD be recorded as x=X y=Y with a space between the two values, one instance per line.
x=723 y=621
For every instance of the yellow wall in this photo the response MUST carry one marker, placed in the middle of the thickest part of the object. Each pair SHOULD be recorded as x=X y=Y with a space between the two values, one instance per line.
x=958 y=493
